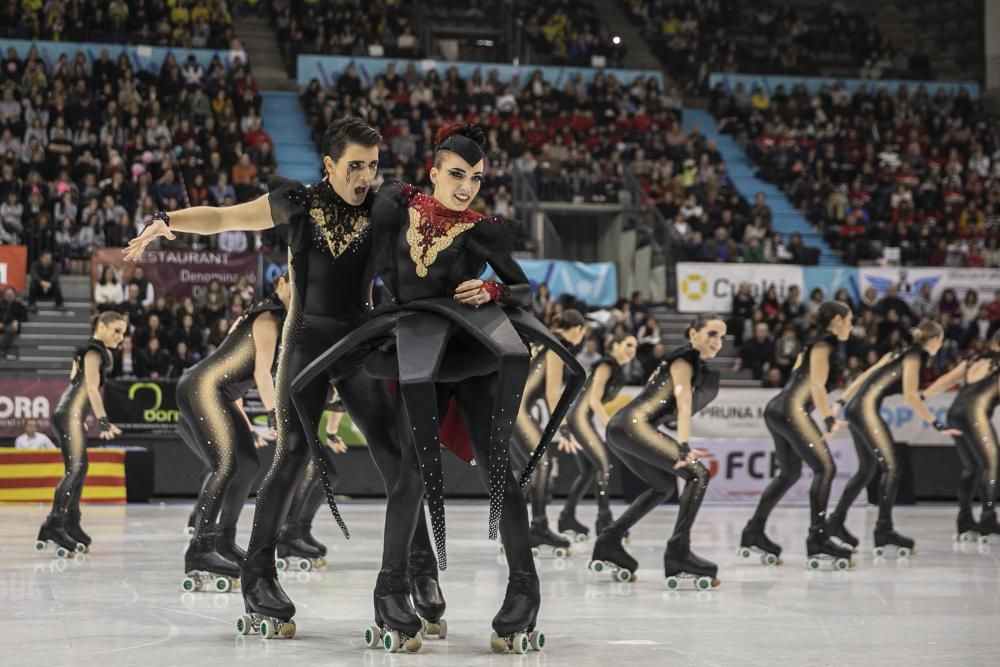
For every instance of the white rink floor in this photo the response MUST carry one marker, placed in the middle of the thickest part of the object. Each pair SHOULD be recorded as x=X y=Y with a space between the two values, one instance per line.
x=123 y=605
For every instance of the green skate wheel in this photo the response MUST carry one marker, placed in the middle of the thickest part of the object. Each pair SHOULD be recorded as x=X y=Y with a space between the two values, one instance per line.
x=903 y=552
x=596 y=566
x=537 y=640
x=521 y=643
x=189 y=584
x=879 y=552
x=266 y=629
x=813 y=563
x=62 y=553
x=703 y=583
x=39 y=545
x=841 y=564
x=623 y=575
x=673 y=583
x=373 y=636
x=391 y=641
x=769 y=559
x=244 y=625
x=535 y=552
x=743 y=552
x=222 y=584
x=305 y=565
x=561 y=552
x=81 y=548
x=281 y=564
x=983 y=539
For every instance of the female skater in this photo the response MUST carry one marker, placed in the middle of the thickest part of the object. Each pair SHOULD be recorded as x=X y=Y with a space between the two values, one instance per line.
x=331 y=278
x=450 y=345
x=212 y=422
x=798 y=439
x=681 y=386
x=896 y=372
x=91 y=364
x=607 y=378
x=972 y=413
x=545 y=379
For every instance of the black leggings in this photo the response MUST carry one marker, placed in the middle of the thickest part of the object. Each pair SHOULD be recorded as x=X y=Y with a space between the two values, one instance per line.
x=215 y=427
x=979 y=452
x=67 y=423
x=651 y=454
x=797 y=439
x=875 y=448
x=594 y=465
x=526 y=436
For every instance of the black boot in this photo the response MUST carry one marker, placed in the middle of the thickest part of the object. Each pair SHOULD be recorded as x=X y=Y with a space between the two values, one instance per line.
x=541 y=535
x=819 y=547
x=74 y=530
x=425 y=591
x=269 y=611
x=835 y=528
x=205 y=566
x=292 y=546
x=53 y=531
x=396 y=623
x=988 y=524
x=568 y=524
x=514 y=624
x=305 y=532
x=228 y=547
x=604 y=519
x=886 y=536
x=754 y=539
x=679 y=562
x=608 y=550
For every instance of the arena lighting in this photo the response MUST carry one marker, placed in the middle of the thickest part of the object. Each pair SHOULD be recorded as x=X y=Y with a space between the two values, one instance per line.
x=616 y=40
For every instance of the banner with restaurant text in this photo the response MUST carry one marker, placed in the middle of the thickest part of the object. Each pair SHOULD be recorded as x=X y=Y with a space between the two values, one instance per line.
x=180 y=273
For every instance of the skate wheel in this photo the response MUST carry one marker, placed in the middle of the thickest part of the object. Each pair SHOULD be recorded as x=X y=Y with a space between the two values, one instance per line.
x=769 y=559
x=623 y=575
x=879 y=552
x=189 y=584
x=984 y=539
x=244 y=625
x=596 y=566
x=442 y=629
x=81 y=548
x=413 y=644
x=223 y=584
x=903 y=552
x=743 y=552
x=521 y=643
x=537 y=640
x=62 y=553
x=266 y=629
x=673 y=583
x=373 y=636
x=703 y=583
x=305 y=565
x=535 y=552
x=813 y=563
x=841 y=564
x=189 y=531
x=561 y=552
x=965 y=537
x=39 y=545
x=580 y=537
x=390 y=641
x=497 y=643
x=281 y=564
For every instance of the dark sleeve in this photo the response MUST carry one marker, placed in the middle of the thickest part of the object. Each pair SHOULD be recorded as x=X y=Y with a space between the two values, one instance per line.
x=35 y=276
x=387 y=217
x=497 y=235
x=285 y=198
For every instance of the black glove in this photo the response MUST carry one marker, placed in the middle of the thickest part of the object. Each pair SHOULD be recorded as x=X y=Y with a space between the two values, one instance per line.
x=272 y=420
x=104 y=423
x=830 y=422
x=939 y=426
x=683 y=450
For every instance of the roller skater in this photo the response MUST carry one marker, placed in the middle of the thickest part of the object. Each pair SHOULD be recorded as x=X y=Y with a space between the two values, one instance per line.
x=605 y=382
x=545 y=380
x=896 y=372
x=331 y=278
x=91 y=364
x=681 y=386
x=797 y=438
x=680 y=563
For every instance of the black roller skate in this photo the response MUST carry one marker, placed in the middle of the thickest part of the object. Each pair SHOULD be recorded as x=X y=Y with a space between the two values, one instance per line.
x=568 y=525
x=821 y=549
x=268 y=609
x=305 y=533
x=969 y=529
x=74 y=530
x=754 y=540
x=295 y=551
x=885 y=536
x=679 y=562
x=226 y=544
x=425 y=592
x=541 y=536
x=610 y=556
x=835 y=529
x=988 y=526
x=205 y=567
x=53 y=532
x=396 y=623
x=514 y=625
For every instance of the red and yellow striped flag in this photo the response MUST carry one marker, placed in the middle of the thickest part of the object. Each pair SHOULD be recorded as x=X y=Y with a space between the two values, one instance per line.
x=30 y=476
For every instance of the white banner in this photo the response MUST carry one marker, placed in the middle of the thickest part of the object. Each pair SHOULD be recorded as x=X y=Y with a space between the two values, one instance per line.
x=709 y=287
x=910 y=281
x=739 y=413
x=742 y=469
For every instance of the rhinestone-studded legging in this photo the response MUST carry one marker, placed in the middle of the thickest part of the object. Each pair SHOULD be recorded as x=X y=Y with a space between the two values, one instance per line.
x=875 y=448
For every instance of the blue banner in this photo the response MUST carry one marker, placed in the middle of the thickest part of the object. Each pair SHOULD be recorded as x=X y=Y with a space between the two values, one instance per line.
x=830 y=280
x=768 y=82
x=327 y=69
x=143 y=58
x=595 y=284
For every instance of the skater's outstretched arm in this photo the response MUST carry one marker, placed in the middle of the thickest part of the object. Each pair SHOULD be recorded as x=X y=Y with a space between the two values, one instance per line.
x=911 y=394
x=946 y=381
x=92 y=376
x=250 y=216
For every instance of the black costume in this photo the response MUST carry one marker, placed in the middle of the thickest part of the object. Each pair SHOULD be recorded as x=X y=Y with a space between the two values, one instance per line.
x=62 y=526
x=594 y=464
x=797 y=438
x=634 y=436
x=441 y=350
x=875 y=447
x=330 y=272
x=972 y=413
x=214 y=428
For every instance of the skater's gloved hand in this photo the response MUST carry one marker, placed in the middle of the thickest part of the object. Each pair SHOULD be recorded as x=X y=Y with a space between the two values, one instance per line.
x=158 y=225
x=832 y=426
x=688 y=456
x=472 y=293
x=335 y=443
x=943 y=428
x=108 y=430
x=569 y=445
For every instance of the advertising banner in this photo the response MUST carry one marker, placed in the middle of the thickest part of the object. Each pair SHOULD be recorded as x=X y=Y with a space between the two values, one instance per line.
x=596 y=284
x=14 y=267
x=21 y=400
x=180 y=273
x=769 y=82
x=142 y=406
x=709 y=286
x=830 y=279
x=910 y=280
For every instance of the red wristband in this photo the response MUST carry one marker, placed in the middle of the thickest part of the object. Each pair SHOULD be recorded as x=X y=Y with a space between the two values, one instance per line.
x=497 y=291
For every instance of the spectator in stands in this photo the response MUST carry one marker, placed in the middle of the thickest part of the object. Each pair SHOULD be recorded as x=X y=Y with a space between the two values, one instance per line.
x=32 y=438
x=180 y=361
x=192 y=337
x=132 y=307
x=125 y=360
x=108 y=291
x=153 y=361
x=152 y=328
x=785 y=353
x=816 y=298
x=970 y=306
x=163 y=312
x=13 y=315
x=923 y=306
x=213 y=303
x=11 y=212
x=949 y=304
x=146 y=290
x=649 y=332
x=774 y=379
x=591 y=352
x=892 y=302
x=770 y=307
x=980 y=328
x=758 y=353
x=795 y=312
x=741 y=312
x=217 y=333
x=44 y=282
